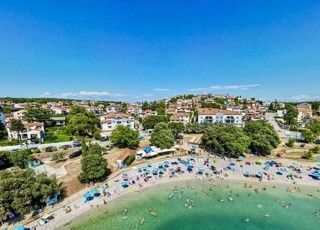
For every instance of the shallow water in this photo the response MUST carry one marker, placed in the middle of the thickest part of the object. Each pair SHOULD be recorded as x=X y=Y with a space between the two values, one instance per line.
x=208 y=212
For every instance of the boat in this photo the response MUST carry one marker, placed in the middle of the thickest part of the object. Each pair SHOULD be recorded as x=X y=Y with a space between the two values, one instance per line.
x=170 y=196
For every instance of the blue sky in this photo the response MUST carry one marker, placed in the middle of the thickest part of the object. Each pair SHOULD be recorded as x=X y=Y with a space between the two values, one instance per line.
x=146 y=50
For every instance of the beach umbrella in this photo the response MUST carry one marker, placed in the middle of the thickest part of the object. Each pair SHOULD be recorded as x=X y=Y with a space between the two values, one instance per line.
x=294 y=164
x=240 y=157
x=248 y=173
x=260 y=173
x=232 y=164
x=20 y=227
x=148 y=171
x=201 y=171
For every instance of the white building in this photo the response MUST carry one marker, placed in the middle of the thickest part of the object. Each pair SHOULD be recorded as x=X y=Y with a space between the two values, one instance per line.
x=113 y=108
x=19 y=115
x=32 y=131
x=220 y=116
x=112 y=120
x=180 y=117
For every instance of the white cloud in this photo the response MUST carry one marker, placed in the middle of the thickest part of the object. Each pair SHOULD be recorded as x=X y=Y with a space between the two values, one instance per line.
x=240 y=87
x=227 y=87
x=303 y=97
x=161 y=90
x=84 y=94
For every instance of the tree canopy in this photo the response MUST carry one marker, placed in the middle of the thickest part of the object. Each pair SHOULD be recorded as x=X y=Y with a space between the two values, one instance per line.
x=176 y=128
x=23 y=191
x=123 y=137
x=18 y=158
x=291 y=114
x=3 y=131
x=150 y=121
x=94 y=166
x=16 y=125
x=263 y=137
x=163 y=139
x=226 y=139
x=37 y=114
x=83 y=123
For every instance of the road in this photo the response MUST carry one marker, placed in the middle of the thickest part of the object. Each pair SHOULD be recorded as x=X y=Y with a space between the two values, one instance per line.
x=271 y=120
x=42 y=146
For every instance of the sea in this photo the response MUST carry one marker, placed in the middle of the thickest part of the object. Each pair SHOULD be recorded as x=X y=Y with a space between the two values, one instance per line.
x=207 y=205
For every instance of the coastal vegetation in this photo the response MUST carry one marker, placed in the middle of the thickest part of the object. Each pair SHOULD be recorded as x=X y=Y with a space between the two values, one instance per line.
x=263 y=137
x=150 y=121
x=82 y=122
x=124 y=137
x=162 y=136
x=22 y=191
x=229 y=140
x=93 y=165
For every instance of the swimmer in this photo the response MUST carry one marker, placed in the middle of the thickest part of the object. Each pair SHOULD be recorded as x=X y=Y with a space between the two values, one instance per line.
x=247 y=220
x=259 y=205
x=266 y=215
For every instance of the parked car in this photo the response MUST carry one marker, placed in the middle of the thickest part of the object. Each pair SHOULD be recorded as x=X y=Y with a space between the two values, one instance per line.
x=76 y=144
x=65 y=147
x=75 y=154
x=302 y=145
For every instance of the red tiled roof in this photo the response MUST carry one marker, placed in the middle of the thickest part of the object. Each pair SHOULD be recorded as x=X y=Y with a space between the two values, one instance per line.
x=215 y=111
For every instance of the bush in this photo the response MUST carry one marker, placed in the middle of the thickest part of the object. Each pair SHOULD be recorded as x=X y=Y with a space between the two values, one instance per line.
x=36 y=150
x=130 y=159
x=9 y=143
x=50 y=149
x=291 y=142
x=58 y=157
x=308 y=155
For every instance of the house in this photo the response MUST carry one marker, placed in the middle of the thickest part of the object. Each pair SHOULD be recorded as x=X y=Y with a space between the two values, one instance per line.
x=113 y=108
x=122 y=160
x=180 y=117
x=112 y=120
x=220 y=116
x=33 y=130
x=59 y=121
x=19 y=115
x=304 y=106
x=303 y=114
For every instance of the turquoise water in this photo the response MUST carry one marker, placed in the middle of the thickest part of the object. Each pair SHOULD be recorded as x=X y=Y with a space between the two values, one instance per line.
x=208 y=211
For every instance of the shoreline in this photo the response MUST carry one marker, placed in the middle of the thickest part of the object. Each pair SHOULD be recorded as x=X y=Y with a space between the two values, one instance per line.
x=78 y=208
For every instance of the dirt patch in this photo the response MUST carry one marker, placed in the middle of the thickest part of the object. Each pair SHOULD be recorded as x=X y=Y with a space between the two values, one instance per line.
x=70 y=183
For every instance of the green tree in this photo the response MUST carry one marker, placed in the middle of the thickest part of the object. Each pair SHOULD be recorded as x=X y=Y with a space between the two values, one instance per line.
x=21 y=190
x=123 y=137
x=83 y=124
x=308 y=135
x=160 y=126
x=5 y=160
x=6 y=110
x=150 y=121
x=18 y=158
x=291 y=142
x=291 y=114
x=57 y=157
x=263 y=137
x=16 y=125
x=37 y=114
x=163 y=139
x=95 y=149
x=227 y=139
x=3 y=132
x=176 y=128
x=75 y=109
x=94 y=167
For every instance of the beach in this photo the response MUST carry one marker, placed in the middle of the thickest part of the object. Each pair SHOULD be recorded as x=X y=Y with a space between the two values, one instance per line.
x=230 y=172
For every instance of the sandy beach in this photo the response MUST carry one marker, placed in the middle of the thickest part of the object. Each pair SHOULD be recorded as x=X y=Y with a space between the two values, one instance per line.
x=137 y=178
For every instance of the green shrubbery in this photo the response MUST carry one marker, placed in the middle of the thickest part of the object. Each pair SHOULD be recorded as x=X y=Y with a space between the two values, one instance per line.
x=130 y=159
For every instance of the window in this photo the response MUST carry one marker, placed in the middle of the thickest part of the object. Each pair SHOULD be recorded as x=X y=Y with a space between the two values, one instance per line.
x=229 y=120
x=208 y=119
